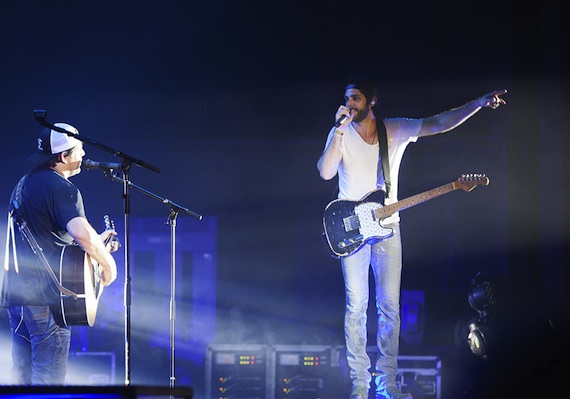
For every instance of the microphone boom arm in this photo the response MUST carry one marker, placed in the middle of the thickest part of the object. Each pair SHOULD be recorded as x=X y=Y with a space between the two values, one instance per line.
x=166 y=201
x=40 y=117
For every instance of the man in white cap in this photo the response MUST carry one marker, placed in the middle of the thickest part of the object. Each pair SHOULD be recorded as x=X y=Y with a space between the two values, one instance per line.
x=52 y=208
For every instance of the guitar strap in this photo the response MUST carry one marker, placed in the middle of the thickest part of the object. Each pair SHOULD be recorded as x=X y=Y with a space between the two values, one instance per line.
x=11 y=236
x=15 y=215
x=383 y=162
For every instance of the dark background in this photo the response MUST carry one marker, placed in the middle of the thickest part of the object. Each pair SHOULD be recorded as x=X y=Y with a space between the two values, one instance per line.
x=232 y=100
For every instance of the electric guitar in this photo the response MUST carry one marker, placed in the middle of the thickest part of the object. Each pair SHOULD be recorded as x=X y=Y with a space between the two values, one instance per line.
x=349 y=225
x=80 y=274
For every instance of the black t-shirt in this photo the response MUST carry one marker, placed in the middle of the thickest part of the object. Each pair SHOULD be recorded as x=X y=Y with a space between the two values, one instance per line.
x=48 y=202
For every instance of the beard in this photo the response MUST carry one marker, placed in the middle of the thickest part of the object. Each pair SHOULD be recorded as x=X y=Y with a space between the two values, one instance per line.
x=360 y=114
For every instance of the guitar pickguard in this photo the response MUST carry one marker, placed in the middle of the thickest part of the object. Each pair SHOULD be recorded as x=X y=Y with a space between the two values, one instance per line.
x=349 y=225
x=370 y=226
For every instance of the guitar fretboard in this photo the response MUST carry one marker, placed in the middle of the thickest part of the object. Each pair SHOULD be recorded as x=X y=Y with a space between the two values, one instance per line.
x=385 y=211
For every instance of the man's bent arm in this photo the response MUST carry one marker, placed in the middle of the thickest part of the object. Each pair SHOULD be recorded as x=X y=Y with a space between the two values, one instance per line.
x=88 y=239
x=330 y=159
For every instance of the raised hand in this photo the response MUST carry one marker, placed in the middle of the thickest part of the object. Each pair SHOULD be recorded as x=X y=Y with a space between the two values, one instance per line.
x=492 y=99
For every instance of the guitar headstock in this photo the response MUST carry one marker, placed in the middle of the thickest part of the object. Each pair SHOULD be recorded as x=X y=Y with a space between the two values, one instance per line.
x=109 y=224
x=470 y=181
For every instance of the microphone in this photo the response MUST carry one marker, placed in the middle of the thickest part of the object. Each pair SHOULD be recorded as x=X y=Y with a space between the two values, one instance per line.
x=89 y=164
x=340 y=120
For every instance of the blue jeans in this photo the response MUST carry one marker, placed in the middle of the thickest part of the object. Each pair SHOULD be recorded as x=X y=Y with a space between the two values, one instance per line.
x=40 y=347
x=385 y=258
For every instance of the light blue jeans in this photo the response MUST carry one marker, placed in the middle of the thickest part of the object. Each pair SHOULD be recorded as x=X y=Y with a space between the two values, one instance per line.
x=40 y=347
x=385 y=258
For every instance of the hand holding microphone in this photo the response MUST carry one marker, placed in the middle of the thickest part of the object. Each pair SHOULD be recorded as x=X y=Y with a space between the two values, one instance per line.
x=343 y=118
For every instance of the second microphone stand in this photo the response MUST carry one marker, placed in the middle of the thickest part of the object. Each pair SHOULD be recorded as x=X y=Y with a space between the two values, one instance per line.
x=175 y=209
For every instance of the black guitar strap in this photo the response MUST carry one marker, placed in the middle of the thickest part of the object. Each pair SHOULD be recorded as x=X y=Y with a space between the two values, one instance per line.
x=383 y=163
x=16 y=215
x=383 y=160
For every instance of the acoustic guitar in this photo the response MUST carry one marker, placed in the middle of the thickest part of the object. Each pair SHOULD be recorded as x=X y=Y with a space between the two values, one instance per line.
x=80 y=274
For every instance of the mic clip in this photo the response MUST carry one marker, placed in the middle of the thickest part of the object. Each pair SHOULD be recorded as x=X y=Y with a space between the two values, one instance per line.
x=40 y=114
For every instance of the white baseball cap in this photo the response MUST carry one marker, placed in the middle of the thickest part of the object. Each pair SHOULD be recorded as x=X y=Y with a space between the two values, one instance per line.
x=51 y=142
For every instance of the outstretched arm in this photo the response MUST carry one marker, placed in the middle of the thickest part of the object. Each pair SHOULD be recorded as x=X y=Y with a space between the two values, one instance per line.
x=451 y=119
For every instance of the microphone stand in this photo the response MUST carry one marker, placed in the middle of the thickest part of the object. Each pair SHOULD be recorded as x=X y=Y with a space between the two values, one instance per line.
x=172 y=215
x=127 y=290
x=40 y=117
